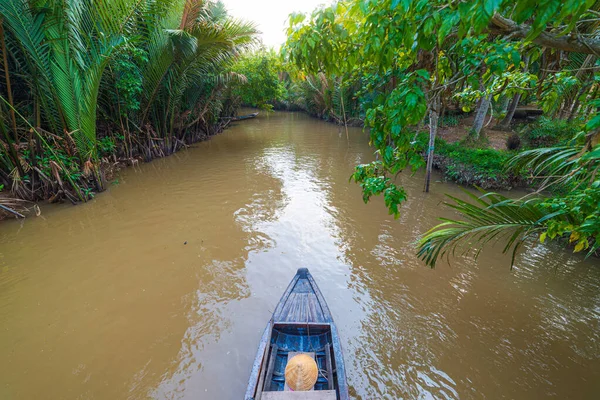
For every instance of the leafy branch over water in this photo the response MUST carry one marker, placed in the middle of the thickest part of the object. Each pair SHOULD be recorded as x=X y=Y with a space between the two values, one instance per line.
x=416 y=59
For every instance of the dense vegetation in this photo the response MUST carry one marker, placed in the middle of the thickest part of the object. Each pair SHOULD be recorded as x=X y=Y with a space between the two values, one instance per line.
x=272 y=83
x=86 y=84
x=413 y=63
x=262 y=87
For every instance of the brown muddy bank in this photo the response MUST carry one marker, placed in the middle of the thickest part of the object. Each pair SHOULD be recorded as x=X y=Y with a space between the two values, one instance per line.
x=25 y=200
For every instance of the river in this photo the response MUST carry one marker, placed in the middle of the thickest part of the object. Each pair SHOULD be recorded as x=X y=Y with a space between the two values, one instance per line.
x=161 y=286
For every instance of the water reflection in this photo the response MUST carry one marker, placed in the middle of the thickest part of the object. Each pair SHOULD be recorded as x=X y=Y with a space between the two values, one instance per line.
x=162 y=286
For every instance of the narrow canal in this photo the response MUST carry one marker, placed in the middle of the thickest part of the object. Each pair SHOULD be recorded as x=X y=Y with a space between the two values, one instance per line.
x=161 y=286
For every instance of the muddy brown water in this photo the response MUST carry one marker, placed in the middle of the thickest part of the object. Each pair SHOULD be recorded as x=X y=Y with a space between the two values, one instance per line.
x=105 y=301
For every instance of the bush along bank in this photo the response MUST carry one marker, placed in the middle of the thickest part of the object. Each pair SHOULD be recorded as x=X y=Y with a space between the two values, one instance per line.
x=476 y=167
x=466 y=165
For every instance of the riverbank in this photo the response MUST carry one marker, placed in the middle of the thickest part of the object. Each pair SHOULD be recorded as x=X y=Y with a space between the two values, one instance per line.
x=472 y=166
x=54 y=186
x=463 y=163
x=113 y=96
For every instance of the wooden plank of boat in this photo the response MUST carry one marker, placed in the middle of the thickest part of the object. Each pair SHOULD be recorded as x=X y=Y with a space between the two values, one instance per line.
x=243 y=117
x=303 y=323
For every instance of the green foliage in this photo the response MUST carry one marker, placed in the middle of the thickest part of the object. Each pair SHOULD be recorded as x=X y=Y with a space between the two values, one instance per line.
x=325 y=97
x=390 y=132
x=374 y=183
x=323 y=41
x=574 y=213
x=488 y=162
x=66 y=46
x=57 y=163
x=106 y=146
x=549 y=132
x=554 y=90
x=482 y=167
x=420 y=48
x=485 y=218
x=582 y=225
x=128 y=79
x=409 y=54
x=262 y=87
x=506 y=83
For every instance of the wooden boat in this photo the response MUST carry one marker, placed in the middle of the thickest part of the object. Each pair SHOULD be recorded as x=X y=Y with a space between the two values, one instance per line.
x=243 y=117
x=301 y=323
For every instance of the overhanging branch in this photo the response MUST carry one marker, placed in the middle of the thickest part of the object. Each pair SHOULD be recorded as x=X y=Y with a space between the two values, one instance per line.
x=572 y=43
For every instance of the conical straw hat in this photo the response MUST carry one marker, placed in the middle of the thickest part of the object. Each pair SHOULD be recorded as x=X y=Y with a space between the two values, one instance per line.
x=301 y=372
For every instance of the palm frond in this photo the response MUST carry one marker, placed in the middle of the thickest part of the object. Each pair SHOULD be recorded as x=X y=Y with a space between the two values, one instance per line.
x=486 y=218
x=31 y=47
x=179 y=58
x=561 y=167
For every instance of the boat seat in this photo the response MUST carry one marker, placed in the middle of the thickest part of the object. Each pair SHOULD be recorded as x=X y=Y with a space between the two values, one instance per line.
x=312 y=395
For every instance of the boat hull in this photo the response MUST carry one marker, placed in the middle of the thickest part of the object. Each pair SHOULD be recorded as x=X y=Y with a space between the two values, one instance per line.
x=301 y=323
x=243 y=117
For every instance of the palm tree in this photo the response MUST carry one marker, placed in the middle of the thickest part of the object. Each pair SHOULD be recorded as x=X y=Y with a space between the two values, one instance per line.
x=181 y=59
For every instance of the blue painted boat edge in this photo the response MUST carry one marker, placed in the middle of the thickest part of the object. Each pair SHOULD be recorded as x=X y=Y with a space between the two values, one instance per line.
x=339 y=363
x=258 y=360
x=302 y=273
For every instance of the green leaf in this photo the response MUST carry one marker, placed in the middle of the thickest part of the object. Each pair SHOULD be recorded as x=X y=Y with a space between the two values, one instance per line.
x=545 y=13
x=480 y=19
x=491 y=6
x=449 y=21
x=593 y=123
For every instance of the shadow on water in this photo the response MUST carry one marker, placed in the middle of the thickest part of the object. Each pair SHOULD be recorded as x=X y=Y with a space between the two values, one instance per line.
x=161 y=287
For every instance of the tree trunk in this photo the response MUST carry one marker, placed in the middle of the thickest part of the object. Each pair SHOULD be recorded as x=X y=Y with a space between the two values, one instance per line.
x=575 y=105
x=566 y=108
x=594 y=95
x=13 y=118
x=571 y=43
x=344 y=109
x=571 y=98
x=584 y=72
x=510 y=113
x=482 y=111
x=505 y=102
x=433 y=127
